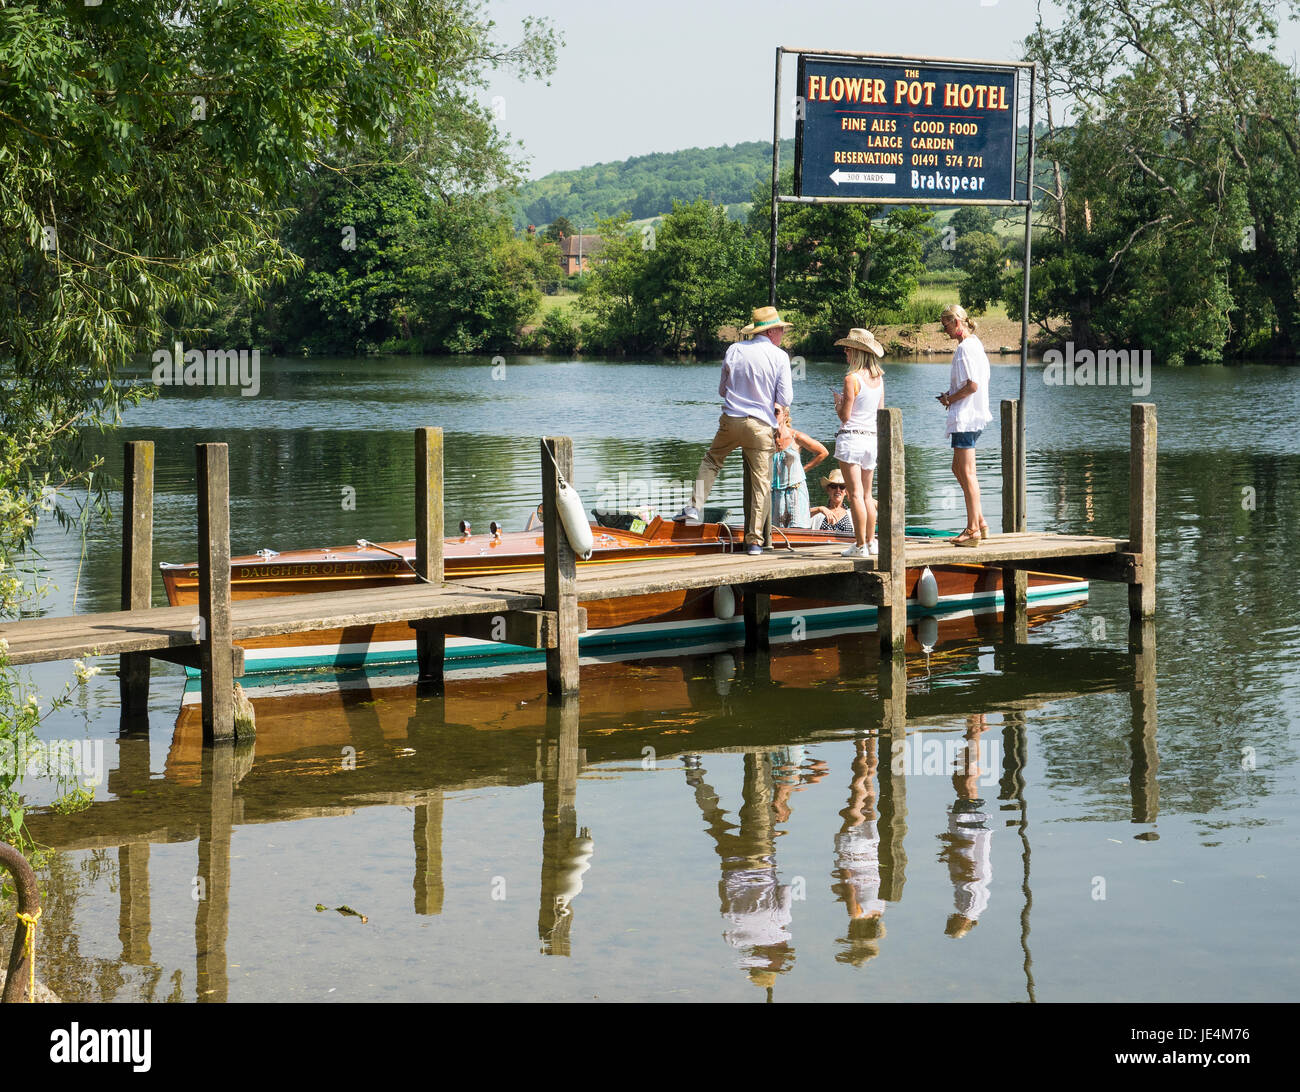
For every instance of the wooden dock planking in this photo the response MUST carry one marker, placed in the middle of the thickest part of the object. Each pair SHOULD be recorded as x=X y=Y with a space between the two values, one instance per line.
x=40 y=639
x=540 y=607
x=37 y=640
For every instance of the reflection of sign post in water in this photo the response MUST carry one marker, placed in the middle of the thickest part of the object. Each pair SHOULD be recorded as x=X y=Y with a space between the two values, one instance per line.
x=875 y=129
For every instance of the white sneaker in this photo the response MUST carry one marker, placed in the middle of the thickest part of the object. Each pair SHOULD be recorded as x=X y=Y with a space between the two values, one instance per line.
x=855 y=551
x=873 y=548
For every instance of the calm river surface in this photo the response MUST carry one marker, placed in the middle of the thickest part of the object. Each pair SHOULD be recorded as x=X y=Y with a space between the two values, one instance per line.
x=711 y=826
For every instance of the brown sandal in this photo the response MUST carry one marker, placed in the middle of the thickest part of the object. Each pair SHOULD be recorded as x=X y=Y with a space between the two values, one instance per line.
x=970 y=536
x=984 y=529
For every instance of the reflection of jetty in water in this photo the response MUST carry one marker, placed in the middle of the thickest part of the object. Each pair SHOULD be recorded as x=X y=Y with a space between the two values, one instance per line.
x=334 y=751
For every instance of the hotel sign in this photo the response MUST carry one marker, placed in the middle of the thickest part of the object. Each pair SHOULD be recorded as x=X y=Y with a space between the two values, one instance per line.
x=905 y=131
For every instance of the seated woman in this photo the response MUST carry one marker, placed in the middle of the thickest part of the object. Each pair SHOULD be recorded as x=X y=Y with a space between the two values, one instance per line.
x=835 y=516
x=789 y=477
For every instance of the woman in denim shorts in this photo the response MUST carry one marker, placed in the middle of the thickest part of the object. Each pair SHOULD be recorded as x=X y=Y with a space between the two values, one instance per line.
x=967 y=402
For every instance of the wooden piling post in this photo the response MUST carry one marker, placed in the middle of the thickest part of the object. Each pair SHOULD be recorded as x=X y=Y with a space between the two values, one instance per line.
x=216 y=650
x=1144 y=786
x=429 y=891
x=560 y=566
x=1015 y=582
x=1142 y=507
x=892 y=617
x=211 y=891
x=430 y=641
x=137 y=569
x=757 y=609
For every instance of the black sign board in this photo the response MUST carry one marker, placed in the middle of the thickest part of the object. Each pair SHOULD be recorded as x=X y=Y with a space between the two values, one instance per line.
x=905 y=131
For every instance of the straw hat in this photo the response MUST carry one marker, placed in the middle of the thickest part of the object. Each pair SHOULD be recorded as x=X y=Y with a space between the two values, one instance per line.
x=835 y=477
x=765 y=318
x=865 y=340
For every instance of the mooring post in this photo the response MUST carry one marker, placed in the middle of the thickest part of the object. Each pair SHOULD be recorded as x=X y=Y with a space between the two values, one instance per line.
x=1142 y=508
x=211 y=890
x=430 y=642
x=562 y=758
x=429 y=891
x=560 y=564
x=216 y=649
x=893 y=811
x=1015 y=582
x=137 y=571
x=892 y=617
x=1144 y=786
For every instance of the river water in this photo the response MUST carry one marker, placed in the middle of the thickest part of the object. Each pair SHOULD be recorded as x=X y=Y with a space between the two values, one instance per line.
x=709 y=825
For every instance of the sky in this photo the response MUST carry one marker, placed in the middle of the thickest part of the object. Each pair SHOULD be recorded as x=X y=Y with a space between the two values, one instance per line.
x=663 y=75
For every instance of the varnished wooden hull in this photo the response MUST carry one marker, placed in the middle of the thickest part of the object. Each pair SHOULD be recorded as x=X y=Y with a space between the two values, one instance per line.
x=612 y=625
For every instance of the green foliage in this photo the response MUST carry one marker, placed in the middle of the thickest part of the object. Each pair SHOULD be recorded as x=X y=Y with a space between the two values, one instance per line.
x=558 y=229
x=148 y=156
x=646 y=186
x=387 y=264
x=669 y=288
x=1177 y=227
x=841 y=266
x=984 y=259
x=969 y=219
x=560 y=331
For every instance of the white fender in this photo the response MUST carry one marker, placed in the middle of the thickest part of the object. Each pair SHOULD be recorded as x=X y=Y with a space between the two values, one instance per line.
x=724 y=602
x=574 y=520
x=927 y=631
x=927 y=589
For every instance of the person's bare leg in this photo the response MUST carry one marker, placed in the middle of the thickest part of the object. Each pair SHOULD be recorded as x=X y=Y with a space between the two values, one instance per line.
x=963 y=468
x=869 y=504
x=853 y=479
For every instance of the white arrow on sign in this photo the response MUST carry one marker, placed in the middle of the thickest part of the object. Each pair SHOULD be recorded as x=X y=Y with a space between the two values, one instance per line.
x=862 y=177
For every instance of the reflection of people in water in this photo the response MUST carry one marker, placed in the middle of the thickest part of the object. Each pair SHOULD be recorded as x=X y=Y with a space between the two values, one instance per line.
x=756 y=906
x=968 y=843
x=857 y=862
x=790 y=775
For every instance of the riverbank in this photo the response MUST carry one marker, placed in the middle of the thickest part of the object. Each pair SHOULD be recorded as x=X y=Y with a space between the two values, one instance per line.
x=997 y=334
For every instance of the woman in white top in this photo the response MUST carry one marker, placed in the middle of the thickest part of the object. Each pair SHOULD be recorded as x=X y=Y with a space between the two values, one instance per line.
x=967 y=402
x=855 y=443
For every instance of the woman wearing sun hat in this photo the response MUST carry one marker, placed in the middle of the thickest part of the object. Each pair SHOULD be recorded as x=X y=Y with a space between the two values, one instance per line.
x=855 y=443
x=835 y=514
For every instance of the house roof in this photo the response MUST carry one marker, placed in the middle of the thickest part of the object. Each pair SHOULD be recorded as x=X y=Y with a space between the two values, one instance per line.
x=590 y=244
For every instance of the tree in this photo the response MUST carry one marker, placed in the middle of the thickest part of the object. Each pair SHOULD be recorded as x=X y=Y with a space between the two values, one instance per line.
x=970 y=219
x=668 y=288
x=983 y=259
x=621 y=317
x=839 y=266
x=698 y=274
x=558 y=229
x=1185 y=143
x=150 y=152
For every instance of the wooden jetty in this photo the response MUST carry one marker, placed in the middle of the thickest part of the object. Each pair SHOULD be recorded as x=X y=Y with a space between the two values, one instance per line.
x=543 y=611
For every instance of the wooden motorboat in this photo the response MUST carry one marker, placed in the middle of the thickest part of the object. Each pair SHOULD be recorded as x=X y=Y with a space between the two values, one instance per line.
x=669 y=699
x=613 y=625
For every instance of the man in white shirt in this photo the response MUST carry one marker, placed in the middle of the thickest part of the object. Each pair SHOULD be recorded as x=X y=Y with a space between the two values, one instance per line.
x=755 y=379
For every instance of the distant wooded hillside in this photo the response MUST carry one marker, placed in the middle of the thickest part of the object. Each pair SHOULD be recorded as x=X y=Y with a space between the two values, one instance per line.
x=646 y=185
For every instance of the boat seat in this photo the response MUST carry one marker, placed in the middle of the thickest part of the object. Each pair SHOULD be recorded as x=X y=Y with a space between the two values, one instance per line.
x=622 y=521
